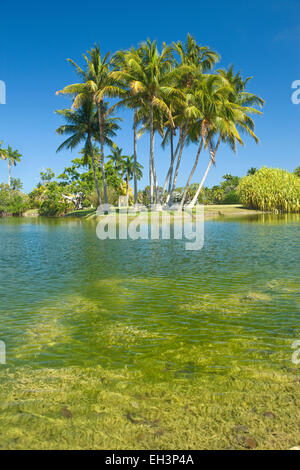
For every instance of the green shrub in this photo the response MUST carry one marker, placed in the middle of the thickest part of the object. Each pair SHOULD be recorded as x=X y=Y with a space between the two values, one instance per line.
x=52 y=202
x=271 y=190
x=12 y=202
x=36 y=197
x=231 y=198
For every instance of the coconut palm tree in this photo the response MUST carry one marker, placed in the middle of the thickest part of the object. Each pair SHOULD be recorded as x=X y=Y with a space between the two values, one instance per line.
x=116 y=157
x=98 y=83
x=169 y=136
x=13 y=157
x=206 y=97
x=200 y=58
x=82 y=127
x=187 y=113
x=158 y=128
x=122 y=67
x=128 y=169
x=152 y=80
x=231 y=115
x=194 y=60
x=2 y=151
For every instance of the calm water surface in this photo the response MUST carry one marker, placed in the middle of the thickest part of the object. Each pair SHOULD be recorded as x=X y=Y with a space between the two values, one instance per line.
x=67 y=298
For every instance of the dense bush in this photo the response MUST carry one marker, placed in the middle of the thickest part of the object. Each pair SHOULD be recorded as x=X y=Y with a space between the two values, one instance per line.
x=36 y=197
x=48 y=195
x=231 y=198
x=112 y=196
x=12 y=202
x=52 y=203
x=224 y=193
x=271 y=189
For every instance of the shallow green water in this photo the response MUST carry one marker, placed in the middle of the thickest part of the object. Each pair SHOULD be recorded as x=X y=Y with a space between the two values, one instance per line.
x=69 y=299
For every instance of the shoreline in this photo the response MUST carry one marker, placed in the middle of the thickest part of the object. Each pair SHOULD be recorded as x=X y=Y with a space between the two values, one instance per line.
x=210 y=212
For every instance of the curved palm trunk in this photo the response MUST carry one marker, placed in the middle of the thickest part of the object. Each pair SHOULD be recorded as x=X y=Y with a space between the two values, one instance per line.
x=151 y=160
x=191 y=175
x=94 y=170
x=169 y=176
x=211 y=161
x=169 y=198
x=155 y=184
x=9 y=173
x=101 y=130
x=127 y=189
x=135 y=157
x=170 y=170
x=195 y=199
x=172 y=162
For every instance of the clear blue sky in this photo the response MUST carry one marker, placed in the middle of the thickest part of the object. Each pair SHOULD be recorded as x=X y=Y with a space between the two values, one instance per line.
x=261 y=38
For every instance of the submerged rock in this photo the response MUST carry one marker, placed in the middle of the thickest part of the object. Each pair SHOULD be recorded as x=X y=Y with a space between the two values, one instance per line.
x=66 y=412
x=269 y=414
x=250 y=443
x=256 y=297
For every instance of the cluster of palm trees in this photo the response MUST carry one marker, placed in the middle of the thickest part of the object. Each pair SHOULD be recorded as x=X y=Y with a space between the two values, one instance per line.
x=12 y=157
x=172 y=92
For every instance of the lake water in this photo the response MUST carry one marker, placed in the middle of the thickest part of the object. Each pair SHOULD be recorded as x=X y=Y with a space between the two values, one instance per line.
x=70 y=299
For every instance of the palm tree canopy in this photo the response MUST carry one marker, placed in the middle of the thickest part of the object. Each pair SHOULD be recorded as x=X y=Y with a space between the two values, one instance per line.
x=116 y=157
x=193 y=54
x=237 y=108
x=97 y=80
x=2 y=151
x=82 y=123
x=13 y=156
x=150 y=76
x=127 y=167
x=199 y=59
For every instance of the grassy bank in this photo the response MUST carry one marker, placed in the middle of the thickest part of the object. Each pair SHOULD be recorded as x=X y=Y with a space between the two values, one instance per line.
x=232 y=210
x=210 y=212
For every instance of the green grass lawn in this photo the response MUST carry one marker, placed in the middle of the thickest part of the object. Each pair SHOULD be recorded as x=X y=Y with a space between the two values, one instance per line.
x=81 y=213
x=210 y=211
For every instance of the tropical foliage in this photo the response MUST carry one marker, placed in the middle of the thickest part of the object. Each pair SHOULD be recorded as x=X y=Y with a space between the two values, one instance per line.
x=271 y=189
x=224 y=193
x=297 y=171
x=173 y=92
x=50 y=195
x=52 y=202
x=12 y=201
x=176 y=95
x=82 y=127
x=12 y=157
x=127 y=168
